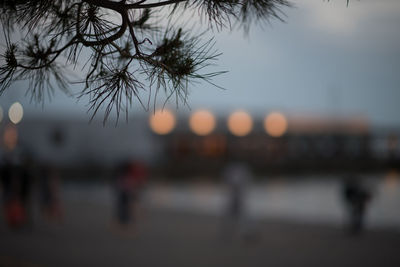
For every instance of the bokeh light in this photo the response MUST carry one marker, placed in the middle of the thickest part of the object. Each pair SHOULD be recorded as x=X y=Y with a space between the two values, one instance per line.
x=202 y=122
x=15 y=113
x=240 y=123
x=162 y=121
x=275 y=124
x=10 y=137
x=391 y=181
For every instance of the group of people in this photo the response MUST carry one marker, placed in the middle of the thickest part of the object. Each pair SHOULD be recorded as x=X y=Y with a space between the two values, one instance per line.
x=26 y=185
x=20 y=182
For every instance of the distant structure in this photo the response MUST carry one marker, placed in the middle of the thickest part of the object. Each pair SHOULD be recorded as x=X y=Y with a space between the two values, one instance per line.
x=290 y=143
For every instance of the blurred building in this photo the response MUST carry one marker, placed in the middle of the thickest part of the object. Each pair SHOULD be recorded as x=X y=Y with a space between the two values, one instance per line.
x=267 y=144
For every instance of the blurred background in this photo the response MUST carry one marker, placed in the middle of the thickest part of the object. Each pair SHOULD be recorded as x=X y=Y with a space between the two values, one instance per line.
x=295 y=163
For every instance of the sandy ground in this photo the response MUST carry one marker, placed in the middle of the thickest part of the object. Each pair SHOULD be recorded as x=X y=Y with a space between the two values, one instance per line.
x=89 y=237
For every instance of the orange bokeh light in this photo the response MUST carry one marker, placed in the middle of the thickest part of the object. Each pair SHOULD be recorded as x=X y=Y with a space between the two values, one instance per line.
x=275 y=124
x=202 y=122
x=240 y=123
x=162 y=121
x=10 y=137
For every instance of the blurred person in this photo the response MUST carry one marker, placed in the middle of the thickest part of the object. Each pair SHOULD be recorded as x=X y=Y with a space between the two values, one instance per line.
x=5 y=179
x=356 y=198
x=14 y=210
x=130 y=179
x=49 y=185
x=26 y=182
x=237 y=177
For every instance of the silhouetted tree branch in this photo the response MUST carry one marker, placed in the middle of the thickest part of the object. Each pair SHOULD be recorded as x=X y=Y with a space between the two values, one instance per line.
x=127 y=47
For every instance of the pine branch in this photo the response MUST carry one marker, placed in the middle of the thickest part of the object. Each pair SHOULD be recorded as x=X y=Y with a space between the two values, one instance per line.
x=121 y=46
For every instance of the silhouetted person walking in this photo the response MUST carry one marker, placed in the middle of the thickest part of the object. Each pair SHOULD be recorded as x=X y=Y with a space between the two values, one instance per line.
x=50 y=194
x=15 y=192
x=130 y=180
x=26 y=176
x=356 y=198
x=236 y=176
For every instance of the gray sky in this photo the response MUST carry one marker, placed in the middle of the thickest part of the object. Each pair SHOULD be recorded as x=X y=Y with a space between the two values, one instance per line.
x=325 y=59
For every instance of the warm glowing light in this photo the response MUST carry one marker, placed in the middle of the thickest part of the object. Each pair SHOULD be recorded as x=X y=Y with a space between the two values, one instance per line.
x=240 y=123
x=202 y=122
x=16 y=112
x=392 y=180
x=162 y=121
x=275 y=124
x=10 y=137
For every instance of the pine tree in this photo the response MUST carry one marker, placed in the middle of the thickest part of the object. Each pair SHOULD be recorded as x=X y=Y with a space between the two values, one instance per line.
x=126 y=46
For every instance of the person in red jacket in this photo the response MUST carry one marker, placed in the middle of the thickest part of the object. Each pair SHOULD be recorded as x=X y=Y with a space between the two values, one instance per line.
x=130 y=180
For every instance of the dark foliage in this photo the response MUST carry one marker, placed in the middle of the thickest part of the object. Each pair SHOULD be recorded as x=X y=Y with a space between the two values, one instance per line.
x=124 y=47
